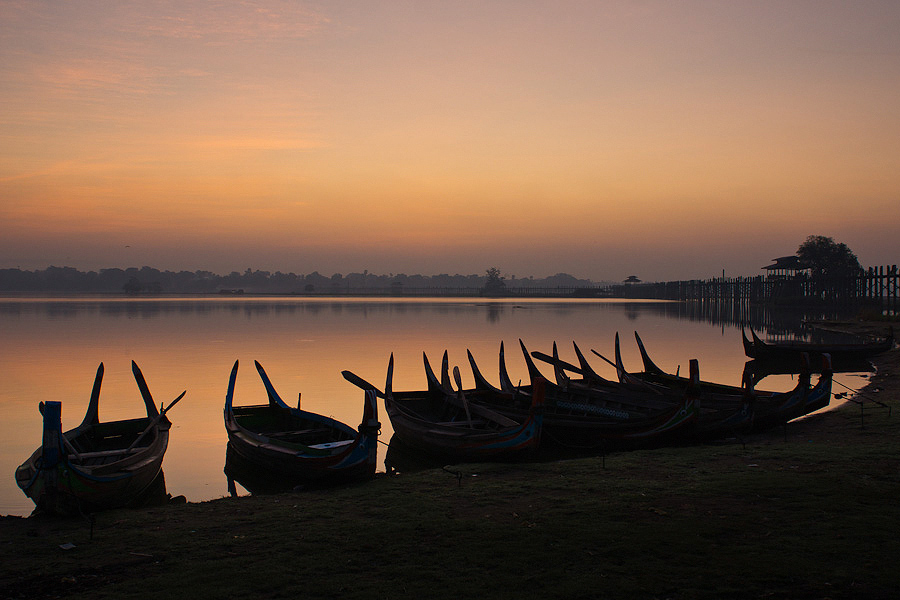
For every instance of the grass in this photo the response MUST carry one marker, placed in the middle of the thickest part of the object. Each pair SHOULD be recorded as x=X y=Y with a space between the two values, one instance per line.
x=810 y=513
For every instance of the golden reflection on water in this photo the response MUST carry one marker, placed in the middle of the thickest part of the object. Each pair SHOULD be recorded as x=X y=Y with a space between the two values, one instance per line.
x=52 y=348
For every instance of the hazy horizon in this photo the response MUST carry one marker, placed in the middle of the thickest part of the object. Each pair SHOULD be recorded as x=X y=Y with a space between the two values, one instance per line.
x=389 y=274
x=600 y=139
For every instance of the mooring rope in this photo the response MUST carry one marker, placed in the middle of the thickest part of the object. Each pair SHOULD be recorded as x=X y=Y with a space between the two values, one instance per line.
x=865 y=396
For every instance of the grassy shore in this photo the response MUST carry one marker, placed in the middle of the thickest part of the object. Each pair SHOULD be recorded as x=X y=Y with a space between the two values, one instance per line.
x=808 y=511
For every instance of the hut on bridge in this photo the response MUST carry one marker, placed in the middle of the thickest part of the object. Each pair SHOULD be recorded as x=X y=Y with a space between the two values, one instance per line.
x=785 y=267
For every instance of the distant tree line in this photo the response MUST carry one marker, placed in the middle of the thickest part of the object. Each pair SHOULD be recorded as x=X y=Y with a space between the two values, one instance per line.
x=148 y=280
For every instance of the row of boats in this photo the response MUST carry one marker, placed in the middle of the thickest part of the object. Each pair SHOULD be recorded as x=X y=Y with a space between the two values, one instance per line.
x=104 y=465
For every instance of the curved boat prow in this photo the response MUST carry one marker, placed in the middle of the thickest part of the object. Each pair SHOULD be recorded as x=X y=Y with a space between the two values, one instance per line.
x=748 y=345
x=389 y=380
x=533 y=371
x=481 y=383
x=756 y=339
x=92 y=415
x=445 y=373
x=506 y=383
x=434 y=385
x=274 y=398
x=229 y=395
x=649 y=365
x=586 y=369
x=152 y=411
x=621 y=373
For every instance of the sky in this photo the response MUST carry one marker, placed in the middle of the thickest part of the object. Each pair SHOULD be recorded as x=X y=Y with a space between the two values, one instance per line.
x=668 y=140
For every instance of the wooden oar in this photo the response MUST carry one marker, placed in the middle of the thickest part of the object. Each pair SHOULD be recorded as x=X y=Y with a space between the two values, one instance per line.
x=557 y=362
x=480 y=410
x=462 y=396
x=361 y=383
x=630 y=379
x=155 y=420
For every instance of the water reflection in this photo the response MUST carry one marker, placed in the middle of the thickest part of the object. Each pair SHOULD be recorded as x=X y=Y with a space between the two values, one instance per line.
x=239 y=471
x=765 y=368
x=52 y=347
x=493 y=310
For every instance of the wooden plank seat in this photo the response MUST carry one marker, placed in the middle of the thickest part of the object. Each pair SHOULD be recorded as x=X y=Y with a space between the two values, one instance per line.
x=328 y=445
x=105 y=453
x=297 y=433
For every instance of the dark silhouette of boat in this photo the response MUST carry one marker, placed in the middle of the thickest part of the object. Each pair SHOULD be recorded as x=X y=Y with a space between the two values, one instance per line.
x=298 y=446
x=449 y=425
x=790 y=350
x=97 y=465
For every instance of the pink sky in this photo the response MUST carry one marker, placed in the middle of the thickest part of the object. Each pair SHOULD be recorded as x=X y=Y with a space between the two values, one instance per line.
x=664 y=139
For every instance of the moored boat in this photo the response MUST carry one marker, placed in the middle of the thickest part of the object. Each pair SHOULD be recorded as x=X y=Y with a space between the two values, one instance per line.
x=758 y=349
x=96 y=465
x=718 y=415
x=298 y=446
x=582 y=417
x=770 y=408
x=444 y=423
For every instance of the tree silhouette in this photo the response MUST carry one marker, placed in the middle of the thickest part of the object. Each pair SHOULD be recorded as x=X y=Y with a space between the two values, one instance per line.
x=826 y=258
x=494 y=286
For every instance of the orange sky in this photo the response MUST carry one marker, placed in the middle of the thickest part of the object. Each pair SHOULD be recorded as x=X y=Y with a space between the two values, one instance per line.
x=663 y=139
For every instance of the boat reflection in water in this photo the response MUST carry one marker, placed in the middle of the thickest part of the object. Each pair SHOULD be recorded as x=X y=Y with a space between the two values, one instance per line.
x=763 y=368
x=319 y=335
x=240 y=471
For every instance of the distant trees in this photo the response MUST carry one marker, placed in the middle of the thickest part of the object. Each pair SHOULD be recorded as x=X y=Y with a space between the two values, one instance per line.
x=147 y=280
x=494 y=284
x=826 y=258
x=132 y=286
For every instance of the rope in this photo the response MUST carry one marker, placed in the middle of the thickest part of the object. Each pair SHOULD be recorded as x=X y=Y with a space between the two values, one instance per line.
x=859 y=393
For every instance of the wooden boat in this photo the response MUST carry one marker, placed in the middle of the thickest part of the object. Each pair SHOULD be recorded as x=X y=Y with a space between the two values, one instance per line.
x=96 y=465
x=583 y=417
x=443 y=423
x=297 y=446
x=655 y=374
x=778 y=351
x=718 y=415
x=769 y=408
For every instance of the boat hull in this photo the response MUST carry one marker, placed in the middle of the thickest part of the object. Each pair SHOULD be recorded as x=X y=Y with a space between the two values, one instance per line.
x=453 y=428
x=299 y=447
x=96 y=466
x=69 y=489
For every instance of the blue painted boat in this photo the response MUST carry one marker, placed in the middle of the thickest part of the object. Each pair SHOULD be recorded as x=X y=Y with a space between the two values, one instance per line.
x=444 y=424
x=298 y=446
x=97 y=465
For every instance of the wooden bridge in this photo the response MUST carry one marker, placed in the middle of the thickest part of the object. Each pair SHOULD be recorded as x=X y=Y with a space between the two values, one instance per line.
x=877 y=287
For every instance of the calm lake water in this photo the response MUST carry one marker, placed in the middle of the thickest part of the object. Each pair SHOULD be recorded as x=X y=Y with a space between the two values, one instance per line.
x=51 y=349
